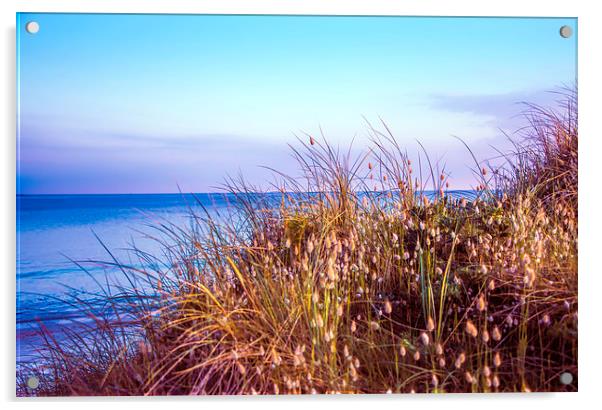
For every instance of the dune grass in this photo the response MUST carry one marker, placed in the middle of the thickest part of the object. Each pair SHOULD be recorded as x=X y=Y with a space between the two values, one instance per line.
x=364 y=285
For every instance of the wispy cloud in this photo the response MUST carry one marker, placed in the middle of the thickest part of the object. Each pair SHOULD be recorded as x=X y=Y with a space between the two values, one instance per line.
x=79 y=161
x=503 y=111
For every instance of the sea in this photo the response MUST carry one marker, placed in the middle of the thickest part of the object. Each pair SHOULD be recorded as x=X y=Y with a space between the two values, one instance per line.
x=58 y=235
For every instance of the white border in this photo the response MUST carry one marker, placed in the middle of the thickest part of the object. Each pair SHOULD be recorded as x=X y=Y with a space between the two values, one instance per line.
x=590 y=94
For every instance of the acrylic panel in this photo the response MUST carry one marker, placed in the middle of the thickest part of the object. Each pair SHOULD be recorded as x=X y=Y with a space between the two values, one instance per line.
x=270 y=204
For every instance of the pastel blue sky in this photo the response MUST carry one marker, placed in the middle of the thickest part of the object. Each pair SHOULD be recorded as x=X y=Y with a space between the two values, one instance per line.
x=144 y=103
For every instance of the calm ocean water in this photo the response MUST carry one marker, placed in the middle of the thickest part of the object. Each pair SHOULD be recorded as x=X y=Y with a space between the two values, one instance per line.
x=55 y=230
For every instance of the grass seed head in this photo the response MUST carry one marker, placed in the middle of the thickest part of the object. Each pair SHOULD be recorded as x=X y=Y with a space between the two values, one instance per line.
x=430 y=324
x=471 y=329
x=496 y=334
x=497 y=359
x=402 y=350
x=388 y=307
x=460 y=360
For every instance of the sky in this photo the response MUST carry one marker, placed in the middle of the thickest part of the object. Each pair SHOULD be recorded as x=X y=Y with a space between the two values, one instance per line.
x=163 y=103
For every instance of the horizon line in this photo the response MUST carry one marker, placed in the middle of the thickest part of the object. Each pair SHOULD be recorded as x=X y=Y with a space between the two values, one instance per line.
x=218 y=192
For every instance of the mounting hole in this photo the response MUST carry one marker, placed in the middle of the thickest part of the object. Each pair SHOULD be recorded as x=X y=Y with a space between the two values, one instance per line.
x=33 y=382
x=566 y=31
x=32 y=27
x=566 y=378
